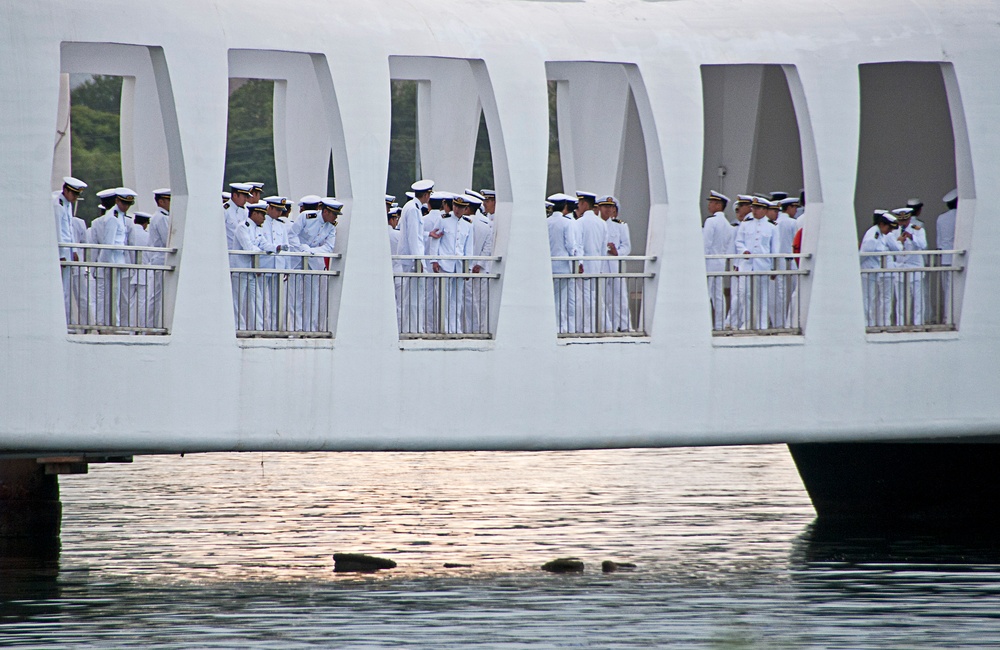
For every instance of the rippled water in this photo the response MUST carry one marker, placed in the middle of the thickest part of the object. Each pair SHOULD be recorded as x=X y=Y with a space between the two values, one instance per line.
x=236 y=550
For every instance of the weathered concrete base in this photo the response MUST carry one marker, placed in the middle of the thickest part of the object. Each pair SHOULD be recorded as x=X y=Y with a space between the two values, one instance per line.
x=29 y=500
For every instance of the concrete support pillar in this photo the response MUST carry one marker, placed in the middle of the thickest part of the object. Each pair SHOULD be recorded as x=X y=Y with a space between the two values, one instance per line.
x=29 y=500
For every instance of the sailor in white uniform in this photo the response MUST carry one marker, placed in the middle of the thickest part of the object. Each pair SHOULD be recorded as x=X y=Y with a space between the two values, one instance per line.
x=717 y=235
x=64 y=209
x=411 y=242
x=489 y=203
x=138 y=279
x=477 y=289
x=296 y=298
x=159 y=237
x=877 y=287
x=735 y=313
x=618 y=318
x=787 y=285
x=273 y=240
x=113 y=229
x=248 y=307
x=317 y=237
x=392 y=218
x=756 y=236
x=438 y=207
x=593 y=234
x=945 y=242
x=909 y=284
x=456 y=240
x=563 y=243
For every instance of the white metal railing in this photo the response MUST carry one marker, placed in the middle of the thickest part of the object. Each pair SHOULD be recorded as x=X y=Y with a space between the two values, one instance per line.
x=113 y=297
x=271 y=302
x=759 y=301
x=902 y=294
x=444 y=304
x=602 y=296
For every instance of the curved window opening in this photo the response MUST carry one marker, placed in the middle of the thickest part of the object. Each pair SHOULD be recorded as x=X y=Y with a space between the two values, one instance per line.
x=286 y=229
x=752 y=231
x=447 y=251
x=602 y=149
x=117 y=141
x=908 y=165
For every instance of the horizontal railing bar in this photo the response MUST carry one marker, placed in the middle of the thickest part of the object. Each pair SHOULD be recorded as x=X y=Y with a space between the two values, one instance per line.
x=322 y=272
x=943 y=327
x=755 y=332
x=583 y=276
x=738 y=256
x=471 y=258
x=444 y=336
x=604 y=258
x=151 y=249
x=110 y=265
x=915 y=269
x=723 y=274
x=334 y=256
x=893 y=253
x=116 y=328
x=282 y=334
x=443 y=274
x=600 y=335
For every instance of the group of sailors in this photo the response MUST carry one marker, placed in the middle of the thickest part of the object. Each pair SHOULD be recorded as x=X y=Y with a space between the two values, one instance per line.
x=901 y=298
x=104 y=296
x=764 y=226
x=281 y=251
x=586 y=225
x=442 y=226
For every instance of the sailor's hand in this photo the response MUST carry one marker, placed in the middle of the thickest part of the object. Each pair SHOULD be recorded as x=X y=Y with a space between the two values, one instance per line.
x=611 y=249
x=436 y=234
x=477 y=268
x=436 y=267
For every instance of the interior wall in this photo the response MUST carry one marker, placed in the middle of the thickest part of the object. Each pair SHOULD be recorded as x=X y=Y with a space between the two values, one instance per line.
x=632 y=188
x=777 y=155
x=907 y=146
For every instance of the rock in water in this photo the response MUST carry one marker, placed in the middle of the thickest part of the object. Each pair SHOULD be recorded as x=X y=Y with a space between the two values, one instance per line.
x=358 y=562
x=564 y=565
x=607 y=566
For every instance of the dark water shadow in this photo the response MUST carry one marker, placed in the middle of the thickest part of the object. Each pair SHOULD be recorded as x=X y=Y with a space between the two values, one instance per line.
x=29 y=570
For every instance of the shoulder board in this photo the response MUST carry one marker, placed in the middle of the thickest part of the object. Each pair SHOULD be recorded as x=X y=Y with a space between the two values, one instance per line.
x=61 y=202
x=283 y=219
x=246 y=223
x=467 y=219
x=916 y=227
x=225 y=206
x=748 y=218
x=618 y=221
x=311 y=216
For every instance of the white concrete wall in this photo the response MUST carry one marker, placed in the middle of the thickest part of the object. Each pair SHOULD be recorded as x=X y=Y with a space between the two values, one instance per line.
x=364 y=390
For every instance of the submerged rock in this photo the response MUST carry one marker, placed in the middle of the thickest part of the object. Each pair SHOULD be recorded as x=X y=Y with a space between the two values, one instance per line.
x=607 y=566
x=455 y=565
x=360 y=563
x=564 y=565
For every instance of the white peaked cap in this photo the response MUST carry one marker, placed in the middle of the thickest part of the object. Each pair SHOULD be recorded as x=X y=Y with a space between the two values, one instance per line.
x=389 y=198
x=712 y=194
x=424 y=185
x=259 y=205
x=103 y=194
x=888 y=216
x=310 y=199
x=488 y=193
x=241 y=187
x=125 y=193
x=474 y=193
x=254 y=185
x=744 y=198
x=441 y=195
x=950 y=196
x=559 y=196
x=607 y=199
x=789 y=201
x=227 y=196
x=142 y=214
x=549 y=204
x=903 y=212
x=74 y=183
x=913 y=203
x=163 y=191
x=332 y=203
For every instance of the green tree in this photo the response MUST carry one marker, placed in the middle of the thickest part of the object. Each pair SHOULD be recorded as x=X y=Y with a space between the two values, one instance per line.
x=95 y=132
x=250 y=135
x=404 y=167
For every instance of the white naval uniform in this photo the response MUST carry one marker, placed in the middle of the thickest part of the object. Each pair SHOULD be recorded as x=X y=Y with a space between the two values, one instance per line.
x=411 y=242
x=619 y=318
x=112 y=229
x=717 y=236
x=430 y=288
x=79 y=276
x=456 y=240
x=563 y=243
x=777 y=307
x=877 y=287
x=397 y=267
x=138 y=279
x=909 y=287
x=159 y=237
x=946 y=242
x=317 y=237
x=234 y=217
x=274 y=234
x=477 y=289
x=248 y=304
x=62 y=209
x=593 y=232
x=757 y=237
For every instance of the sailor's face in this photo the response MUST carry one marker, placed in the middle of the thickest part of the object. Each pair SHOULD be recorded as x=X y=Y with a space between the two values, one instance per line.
x=714 y=205
x=490 y=205
x=257 y=217
x=274 y=211
x=758 y=211
x=393 y=222
x=607 y=211
x=240 y=199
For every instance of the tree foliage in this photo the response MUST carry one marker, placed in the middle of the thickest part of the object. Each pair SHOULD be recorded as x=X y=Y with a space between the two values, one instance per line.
x=250 y=136
x=95 y=132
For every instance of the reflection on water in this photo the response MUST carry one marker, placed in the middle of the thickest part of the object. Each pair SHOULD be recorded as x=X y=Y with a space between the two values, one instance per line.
x=236 y=550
